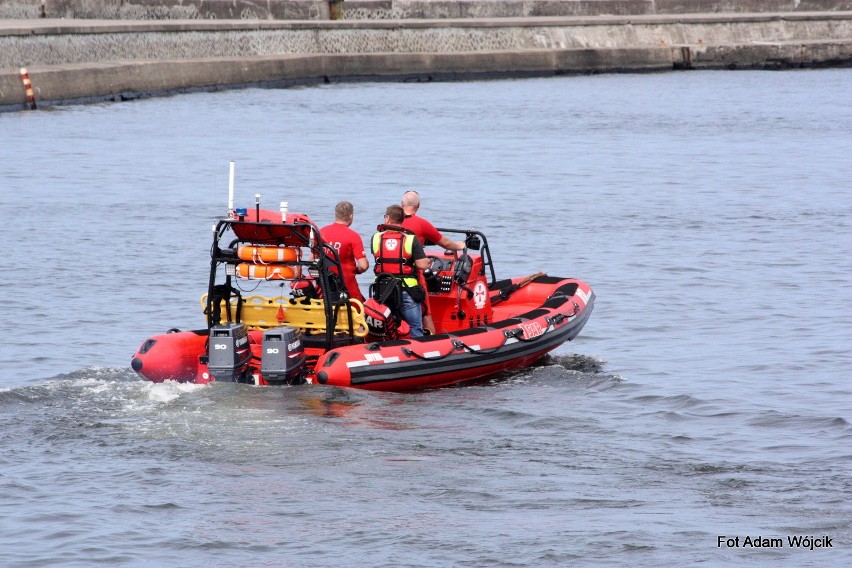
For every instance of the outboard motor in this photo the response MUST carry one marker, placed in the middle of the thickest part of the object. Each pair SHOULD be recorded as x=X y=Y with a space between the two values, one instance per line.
x=283 y=360
x=228 y=352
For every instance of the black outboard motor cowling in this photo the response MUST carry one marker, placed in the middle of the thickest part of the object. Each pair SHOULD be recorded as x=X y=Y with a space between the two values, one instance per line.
x=228 y=352
x=283 y=359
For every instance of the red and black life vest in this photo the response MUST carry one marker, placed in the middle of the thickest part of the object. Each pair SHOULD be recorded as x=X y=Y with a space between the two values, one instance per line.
x=392 y=247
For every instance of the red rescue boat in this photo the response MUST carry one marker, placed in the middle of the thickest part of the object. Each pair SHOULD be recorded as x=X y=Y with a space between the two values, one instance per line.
x=314 y=333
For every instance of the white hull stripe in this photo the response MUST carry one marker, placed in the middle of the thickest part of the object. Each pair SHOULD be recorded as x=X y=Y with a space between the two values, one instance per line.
x=377 y=358
x=371 y=359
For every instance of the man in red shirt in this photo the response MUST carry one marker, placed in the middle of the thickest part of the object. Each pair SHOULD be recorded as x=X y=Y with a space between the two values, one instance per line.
x=423 y=229
x=349 y=247
x=427 y=234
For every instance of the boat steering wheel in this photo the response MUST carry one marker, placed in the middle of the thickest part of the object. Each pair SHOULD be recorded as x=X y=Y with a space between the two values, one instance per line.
x=437 y=265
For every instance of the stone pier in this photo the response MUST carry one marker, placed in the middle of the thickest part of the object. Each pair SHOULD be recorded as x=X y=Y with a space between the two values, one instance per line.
x=82 y=50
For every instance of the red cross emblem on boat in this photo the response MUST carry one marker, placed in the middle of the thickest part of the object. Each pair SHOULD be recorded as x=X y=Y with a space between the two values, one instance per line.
x=480 y=294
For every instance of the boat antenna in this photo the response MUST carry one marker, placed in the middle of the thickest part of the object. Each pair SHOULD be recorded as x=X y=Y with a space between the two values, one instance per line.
x=231 y=188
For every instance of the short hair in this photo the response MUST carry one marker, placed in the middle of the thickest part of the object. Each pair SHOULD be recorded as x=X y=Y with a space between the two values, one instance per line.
x=395 y=214
x=411 y=199
x=343 y=210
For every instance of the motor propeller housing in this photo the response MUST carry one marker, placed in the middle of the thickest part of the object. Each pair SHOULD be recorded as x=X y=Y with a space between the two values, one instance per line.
x=283 y=359
x=229 y=352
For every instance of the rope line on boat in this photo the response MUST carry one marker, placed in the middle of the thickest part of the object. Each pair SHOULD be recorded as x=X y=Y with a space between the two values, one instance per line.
x=491 y=351
x=456 y=345
x=518 y=334
x=556 y=319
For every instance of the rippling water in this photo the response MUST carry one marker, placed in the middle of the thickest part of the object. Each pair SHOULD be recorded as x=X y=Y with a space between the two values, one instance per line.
x=708 y=395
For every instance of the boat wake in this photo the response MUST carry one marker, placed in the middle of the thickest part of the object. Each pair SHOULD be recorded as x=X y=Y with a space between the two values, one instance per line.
x=576 y=362
x=104 y=388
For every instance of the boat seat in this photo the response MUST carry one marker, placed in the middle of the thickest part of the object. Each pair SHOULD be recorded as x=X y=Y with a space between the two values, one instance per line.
x=500 y=324
x=508 y=310
x=428 y=338
x=262 y=312
x=533 y=314
x=469 y=331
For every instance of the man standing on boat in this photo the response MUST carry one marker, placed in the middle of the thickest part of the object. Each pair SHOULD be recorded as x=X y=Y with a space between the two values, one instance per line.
x=427 y=234
x=349 y=247
x=399 y=252
x=423 y=229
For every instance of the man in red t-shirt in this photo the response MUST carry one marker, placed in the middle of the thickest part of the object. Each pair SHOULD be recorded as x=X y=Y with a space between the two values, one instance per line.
x=427 y=234
x=423 y=229
x=349 y=247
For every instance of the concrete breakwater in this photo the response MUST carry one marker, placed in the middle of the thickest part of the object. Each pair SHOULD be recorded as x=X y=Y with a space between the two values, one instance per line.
x=393 y=9
x=79 y=59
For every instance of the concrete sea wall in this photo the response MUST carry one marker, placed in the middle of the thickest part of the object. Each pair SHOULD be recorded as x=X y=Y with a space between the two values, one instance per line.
x=394 y=9
x=292 y=41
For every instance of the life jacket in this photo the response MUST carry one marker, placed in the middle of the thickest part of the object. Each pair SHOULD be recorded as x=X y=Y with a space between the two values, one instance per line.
x=382 y=325
x=392 y=247
x=305 y=290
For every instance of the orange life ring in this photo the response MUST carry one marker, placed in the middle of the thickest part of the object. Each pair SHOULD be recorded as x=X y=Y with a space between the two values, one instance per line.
x=266 y=271
x=267 y=254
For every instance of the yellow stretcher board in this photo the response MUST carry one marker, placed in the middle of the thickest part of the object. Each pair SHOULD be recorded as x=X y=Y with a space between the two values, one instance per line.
x=262 y=312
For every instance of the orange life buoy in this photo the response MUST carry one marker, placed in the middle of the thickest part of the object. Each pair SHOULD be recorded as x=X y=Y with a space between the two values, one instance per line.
x=266 y=271
x=267 y=254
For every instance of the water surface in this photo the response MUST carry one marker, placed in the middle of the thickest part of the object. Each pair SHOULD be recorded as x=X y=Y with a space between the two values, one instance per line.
x=707 y=396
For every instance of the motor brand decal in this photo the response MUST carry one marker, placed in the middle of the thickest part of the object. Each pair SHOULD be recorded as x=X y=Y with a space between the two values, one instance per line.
x=480 y=294
x=531 y=329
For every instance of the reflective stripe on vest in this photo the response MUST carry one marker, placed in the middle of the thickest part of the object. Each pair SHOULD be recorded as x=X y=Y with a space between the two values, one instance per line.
x=394 y=258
